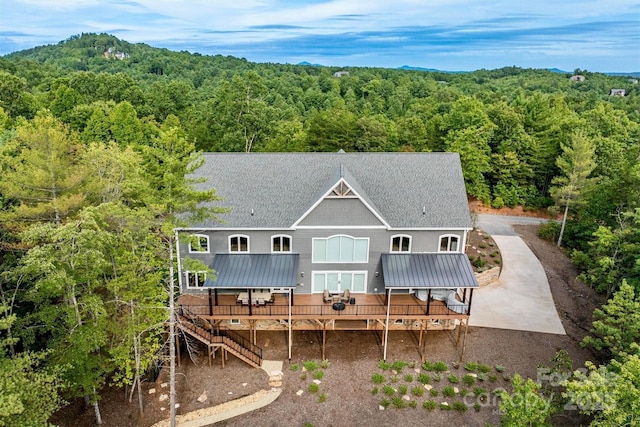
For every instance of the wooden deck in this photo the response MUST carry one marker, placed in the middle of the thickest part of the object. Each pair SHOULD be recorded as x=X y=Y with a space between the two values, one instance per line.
x=312 y=307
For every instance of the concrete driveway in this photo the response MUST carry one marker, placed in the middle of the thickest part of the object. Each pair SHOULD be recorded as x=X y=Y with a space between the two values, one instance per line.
x=521 y=298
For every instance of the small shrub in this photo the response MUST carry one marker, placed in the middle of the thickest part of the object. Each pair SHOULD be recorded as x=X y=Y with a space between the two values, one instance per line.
x=482 y=246
x=318 y=375
x=464 y=392
x=417 y=391
x=427 y=366
x=383 y=365
x=424 y=378
x=413 y=404
x=469 y=379
x=459 y=406
x=445 y=406
x=303 y=376
x=479 y=262
x=493 y=254
x=497 y=203
x=482 y=376
x=313 y=388
x=436 y=377
x=388 y=390
x=324 y=364
x=310 y=365
x=377 y=378
x=497 y=261
x=429 y=405
x=506 y=377
x=433 y=392
x=477 y=391
x=402 y=389
x=398 y=402
x=448 y=391
x=322 y=397
x=477 y=407
x=408 y=378
x=412 y=364
x=471 y=367
x=500 y=368
x=375 y=390
x=484 y=368
x=453 y=379
x=549 y=231
x=440 y=367
x=493 y=378
x=294 y=367
x=385 y=403
x=394 y=378
x=398 y=366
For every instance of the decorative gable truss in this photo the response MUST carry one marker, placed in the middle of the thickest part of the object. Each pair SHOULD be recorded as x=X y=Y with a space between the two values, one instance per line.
x=341 y=206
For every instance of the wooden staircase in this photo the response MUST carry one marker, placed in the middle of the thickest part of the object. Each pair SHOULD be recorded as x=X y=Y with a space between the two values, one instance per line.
x=228 y=340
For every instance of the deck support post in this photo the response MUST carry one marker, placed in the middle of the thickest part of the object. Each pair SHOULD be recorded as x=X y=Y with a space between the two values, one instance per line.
x=324 y=338
x=464 y=340
x=211 y=302
x=423 y=351
x=290 y=325
x=386 y=325
x=249 y=292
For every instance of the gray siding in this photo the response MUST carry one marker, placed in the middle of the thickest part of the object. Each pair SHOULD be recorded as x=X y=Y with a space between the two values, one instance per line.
x=379 y=242
x=341 y=212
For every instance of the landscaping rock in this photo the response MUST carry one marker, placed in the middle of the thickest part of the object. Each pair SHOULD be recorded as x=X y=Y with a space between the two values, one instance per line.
x=299 y=392
x=203 y=397
x=275 y=383
x=163 y=397
x=405 y=397
x=456 y=390
x=381 y=407
x=244 y=384
x=164 y=385
x=317 y=382
x=152 y=390
x=428 y=387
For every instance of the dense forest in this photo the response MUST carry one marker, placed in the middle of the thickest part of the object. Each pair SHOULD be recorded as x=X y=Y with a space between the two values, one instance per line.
x=98 y=137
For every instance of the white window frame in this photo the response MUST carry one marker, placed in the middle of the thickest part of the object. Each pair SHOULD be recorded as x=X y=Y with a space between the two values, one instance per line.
x=327 y=239
x=281 y=236
x=448 y=237
x=206 y=249
x=197 y=274
x=239 y=236
x=339 y=273
x=401 y=236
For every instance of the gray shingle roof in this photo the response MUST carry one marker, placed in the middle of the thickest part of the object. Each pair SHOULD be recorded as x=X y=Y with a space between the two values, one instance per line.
x=427 y=271
x=281 y=187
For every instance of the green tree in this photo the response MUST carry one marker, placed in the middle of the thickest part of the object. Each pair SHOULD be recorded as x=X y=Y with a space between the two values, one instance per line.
x=576 y=163
x=611 y=394
x=42 y=170
x=525 y=406
x=616 y=326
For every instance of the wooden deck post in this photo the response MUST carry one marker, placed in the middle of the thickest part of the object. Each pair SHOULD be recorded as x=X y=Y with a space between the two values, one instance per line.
x=423 y=351
x=249 y=292
x=211 y=302
x=428 y=301
x=464 y=340
x=386 y=325
x=470 y=298
x=290 y=325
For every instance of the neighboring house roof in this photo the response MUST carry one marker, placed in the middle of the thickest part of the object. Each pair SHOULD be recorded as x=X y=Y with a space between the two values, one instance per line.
x=617 y=92
x=254 y=271
x=274 y=190
x=415 y=271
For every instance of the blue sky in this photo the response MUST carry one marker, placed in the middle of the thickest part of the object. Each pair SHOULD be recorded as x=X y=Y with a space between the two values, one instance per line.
x=596 y=35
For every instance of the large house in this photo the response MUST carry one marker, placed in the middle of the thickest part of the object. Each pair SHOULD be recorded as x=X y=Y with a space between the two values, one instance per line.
x=327 y=241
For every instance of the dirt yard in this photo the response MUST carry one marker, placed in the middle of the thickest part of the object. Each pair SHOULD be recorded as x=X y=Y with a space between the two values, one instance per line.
x=345 y=395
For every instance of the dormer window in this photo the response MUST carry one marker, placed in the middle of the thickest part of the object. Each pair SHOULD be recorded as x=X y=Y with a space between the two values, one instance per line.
x=238 y=243
x=199 y=244
x=401 y=243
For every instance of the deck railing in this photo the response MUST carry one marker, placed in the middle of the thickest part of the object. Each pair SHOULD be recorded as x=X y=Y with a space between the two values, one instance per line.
x=320 y=310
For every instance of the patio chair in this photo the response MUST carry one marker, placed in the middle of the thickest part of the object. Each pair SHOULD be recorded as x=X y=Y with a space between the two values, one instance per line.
x=346 y=296
x=326 y=297
x=261 y=301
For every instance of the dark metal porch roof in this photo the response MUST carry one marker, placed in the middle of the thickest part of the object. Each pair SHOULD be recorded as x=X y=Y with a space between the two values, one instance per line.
x=254 y=271
x=443 y=270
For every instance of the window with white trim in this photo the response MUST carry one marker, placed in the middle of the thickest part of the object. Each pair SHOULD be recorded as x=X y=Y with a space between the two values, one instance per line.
x=401 y=243
x=338 y=281
x=449 y=243
x=196 y=279
x=238 y=243
x=199 y=244
x=340 y=249
x=281 y=243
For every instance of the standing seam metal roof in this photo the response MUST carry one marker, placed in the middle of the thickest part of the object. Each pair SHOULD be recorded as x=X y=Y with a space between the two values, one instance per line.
x=254 y=271
x=443 y=270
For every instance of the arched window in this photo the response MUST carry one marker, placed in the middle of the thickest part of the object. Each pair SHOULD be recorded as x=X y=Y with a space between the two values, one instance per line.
x=340 y=249
x=239 y=243
x=281 y=243
x=199 y=243
x=401 y=243
x=449 y=243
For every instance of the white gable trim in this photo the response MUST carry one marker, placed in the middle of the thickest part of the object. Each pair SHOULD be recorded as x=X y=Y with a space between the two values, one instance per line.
x=329 y=192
